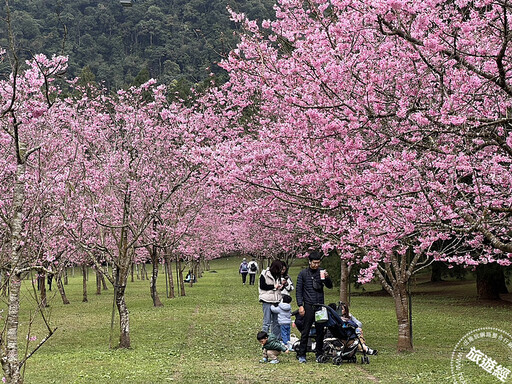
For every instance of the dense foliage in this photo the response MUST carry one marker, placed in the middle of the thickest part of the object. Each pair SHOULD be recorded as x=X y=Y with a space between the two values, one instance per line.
x=175 y=41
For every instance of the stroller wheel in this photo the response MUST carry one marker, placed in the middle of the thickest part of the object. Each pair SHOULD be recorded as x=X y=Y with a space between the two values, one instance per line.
x=367 y=360
x=337 y=360
x=322 y=359
x=353 y=359
x=362 y=359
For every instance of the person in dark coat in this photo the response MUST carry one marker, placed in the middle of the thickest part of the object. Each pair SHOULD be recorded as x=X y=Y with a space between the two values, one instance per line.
x=310 y=291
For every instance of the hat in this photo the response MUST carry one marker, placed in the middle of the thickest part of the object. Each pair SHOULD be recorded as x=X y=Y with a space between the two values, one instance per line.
x=244 y=259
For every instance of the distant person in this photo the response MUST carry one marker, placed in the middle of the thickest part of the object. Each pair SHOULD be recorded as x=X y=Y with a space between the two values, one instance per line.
x=49 y=280
x=271 y=347
x=190 y=277
x=310 y=291
x=253 y=270
x=284 y=318
x=244 y=270
x=269 y=294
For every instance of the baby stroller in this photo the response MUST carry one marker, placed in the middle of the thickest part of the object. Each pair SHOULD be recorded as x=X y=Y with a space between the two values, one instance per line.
x=341 y=341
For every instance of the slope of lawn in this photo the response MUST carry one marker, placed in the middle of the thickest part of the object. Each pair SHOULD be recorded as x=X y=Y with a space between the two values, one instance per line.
x=208 y=336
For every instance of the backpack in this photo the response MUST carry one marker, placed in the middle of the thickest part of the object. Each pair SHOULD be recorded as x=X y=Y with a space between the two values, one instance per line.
x=243 y=267
x=254 y=267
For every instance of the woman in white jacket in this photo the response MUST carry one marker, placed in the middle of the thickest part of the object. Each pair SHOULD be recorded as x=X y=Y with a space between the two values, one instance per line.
x=270 y=286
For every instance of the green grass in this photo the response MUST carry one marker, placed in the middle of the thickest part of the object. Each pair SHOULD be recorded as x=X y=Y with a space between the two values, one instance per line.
x=209 y=335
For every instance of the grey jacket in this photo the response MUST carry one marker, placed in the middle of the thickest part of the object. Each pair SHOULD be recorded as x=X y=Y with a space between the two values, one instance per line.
x=284 y=313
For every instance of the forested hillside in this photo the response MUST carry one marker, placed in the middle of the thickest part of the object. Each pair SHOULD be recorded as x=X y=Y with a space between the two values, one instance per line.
x=174 y=41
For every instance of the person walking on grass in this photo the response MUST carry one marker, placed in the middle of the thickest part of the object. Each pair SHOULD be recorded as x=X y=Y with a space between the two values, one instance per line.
x=269 y=294
x=253 y=270
x=271 y=347
x=310 y=291
x=244 y=270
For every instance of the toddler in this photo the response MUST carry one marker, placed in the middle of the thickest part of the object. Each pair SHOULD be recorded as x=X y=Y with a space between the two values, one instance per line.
x=284 y=318
x=271 y=347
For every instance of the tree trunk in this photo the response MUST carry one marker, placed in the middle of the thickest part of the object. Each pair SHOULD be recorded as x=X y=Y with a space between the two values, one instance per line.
x=124 y=319
x=9 y=359
x=66 y=280
x=170 y=278
x=143 y=272
x=60 y=287
x=132 y=272
x=154 y=277
x=11 y=363
x=103 y=282
x=402 y=315
x=206 y=264
x=84 y=284
x=5 y=282
x=200 y=267
x=98 y=282
x=41 y=279
x=344 y=281
x=394 y=277
x=122 y=271
x=180 y=277
x=490 y=281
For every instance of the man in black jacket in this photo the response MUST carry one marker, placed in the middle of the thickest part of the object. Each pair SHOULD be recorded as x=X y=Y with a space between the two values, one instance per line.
x=310 y=291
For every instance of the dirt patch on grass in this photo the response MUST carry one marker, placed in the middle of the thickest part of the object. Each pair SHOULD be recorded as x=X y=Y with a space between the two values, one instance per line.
x=369 y=376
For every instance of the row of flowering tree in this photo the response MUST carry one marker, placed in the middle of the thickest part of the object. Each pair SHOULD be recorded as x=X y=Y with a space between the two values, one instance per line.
x=384 y=126
x=88 y=178
x=380 y=130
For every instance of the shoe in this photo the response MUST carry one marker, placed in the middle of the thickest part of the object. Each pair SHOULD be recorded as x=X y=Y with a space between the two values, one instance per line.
x=264 y=360
x=302 y=359
x=371 y=351
x=275 y=361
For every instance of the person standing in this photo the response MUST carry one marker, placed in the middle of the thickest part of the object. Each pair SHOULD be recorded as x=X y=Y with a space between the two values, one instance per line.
x=284 y=318
x=253 y=270
x=269 y=294
x=310 y=291
x=287 y=281
x=244 y=270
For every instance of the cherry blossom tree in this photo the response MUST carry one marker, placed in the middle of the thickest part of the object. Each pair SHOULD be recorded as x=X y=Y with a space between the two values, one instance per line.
x=133 y=158
x=388 y=120
x=27 y=109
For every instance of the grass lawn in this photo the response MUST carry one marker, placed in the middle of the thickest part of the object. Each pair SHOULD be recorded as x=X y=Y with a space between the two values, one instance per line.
x=209 y=335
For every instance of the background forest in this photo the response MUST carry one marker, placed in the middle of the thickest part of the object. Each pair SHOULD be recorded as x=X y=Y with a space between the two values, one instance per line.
x=177 y=42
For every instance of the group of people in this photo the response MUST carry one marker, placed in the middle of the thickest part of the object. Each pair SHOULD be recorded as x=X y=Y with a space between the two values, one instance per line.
x=248 y=268
x=275 y=286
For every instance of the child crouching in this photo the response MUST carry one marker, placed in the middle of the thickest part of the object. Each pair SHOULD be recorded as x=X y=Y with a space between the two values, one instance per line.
x=271 y=346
